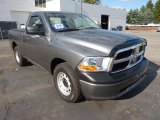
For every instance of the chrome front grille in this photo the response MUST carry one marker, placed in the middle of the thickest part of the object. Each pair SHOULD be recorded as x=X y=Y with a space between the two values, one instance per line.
x=127 y=57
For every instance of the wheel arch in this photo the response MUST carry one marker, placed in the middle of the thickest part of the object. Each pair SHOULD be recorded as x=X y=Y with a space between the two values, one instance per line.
x=54 y=63
x=14 y=45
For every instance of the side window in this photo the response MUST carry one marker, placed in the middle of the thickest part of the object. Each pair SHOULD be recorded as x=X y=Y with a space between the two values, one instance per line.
x=35 y=21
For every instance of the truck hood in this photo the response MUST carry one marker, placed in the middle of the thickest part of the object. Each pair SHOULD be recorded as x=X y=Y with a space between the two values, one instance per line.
x=97 y=40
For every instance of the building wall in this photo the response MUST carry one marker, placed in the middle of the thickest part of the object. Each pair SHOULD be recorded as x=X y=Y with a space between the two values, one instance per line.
x=116 y=16
x=19 y=16
x=67 y=5
x=4 y=14
x=18 y=10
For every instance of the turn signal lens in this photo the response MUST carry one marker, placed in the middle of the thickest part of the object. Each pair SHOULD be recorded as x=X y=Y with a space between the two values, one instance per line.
x=88 y=68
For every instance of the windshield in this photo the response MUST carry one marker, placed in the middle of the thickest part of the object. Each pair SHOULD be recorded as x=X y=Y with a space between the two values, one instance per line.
x=68 y=21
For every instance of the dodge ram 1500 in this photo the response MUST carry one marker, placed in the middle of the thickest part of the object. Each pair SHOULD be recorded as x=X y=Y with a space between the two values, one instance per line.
x=84 y=59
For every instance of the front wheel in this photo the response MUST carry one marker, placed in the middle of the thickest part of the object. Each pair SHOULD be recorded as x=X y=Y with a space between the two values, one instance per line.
x=67 y=83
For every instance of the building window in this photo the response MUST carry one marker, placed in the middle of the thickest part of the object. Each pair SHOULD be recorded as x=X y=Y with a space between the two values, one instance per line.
x=40 y=3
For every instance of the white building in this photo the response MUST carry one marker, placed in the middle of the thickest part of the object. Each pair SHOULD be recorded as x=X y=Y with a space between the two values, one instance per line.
x=18 y=10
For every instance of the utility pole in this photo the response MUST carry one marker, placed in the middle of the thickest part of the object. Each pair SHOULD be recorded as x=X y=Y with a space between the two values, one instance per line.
x=81 y=7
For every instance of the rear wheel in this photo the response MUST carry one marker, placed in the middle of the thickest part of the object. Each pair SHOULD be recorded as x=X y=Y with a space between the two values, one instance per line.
x=67 y=83
x=21 y=61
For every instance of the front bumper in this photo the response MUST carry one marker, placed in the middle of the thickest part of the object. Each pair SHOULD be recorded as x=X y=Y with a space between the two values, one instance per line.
x=93 y=89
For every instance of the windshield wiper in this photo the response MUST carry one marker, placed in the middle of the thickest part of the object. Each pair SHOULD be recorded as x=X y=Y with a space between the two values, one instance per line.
x=66 y=30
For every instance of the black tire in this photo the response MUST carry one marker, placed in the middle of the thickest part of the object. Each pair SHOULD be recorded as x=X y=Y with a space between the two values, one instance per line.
x=75 y=93
x=21 y=61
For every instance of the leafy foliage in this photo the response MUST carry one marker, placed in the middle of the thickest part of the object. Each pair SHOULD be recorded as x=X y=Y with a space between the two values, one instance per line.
x=150 y=5
x=147 y=14
x=143 y=9
x=133 y=17
x=92 y=1
x=157 y=12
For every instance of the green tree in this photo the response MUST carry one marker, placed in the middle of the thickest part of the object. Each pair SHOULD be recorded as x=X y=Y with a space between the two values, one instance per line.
x=129 y=17
x=157 y=12
x=92 y=1
x=150 y=5
x=133 y=17
x=148 y=16
x=143 y=16
x=143 y=9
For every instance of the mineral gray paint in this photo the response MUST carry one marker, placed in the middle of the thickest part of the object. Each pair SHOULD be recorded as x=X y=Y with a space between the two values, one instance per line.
x=73 y=46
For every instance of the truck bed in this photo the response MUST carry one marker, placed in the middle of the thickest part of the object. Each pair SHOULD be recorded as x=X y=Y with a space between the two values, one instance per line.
x=16 y=34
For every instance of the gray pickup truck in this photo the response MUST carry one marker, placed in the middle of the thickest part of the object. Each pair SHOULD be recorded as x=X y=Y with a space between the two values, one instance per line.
x=84 y=59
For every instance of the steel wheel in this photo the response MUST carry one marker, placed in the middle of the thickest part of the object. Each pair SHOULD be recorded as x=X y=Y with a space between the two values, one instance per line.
x=17 y=56
x=64 y=84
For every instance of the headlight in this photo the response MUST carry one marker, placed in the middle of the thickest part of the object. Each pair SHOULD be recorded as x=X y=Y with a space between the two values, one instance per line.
x=94 y=64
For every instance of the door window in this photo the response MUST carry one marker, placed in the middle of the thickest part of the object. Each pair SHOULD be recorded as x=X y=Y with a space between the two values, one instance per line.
x=36 y=21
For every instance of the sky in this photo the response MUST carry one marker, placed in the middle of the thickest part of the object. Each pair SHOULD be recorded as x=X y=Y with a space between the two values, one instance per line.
x=127 y=4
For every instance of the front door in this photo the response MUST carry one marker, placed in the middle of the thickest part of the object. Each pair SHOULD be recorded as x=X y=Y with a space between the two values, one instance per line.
x=35 y=45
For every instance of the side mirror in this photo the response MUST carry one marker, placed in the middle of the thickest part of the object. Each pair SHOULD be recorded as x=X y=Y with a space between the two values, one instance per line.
x=35 y=30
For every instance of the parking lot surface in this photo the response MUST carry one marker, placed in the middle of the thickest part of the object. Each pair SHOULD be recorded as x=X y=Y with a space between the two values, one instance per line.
x=28 y=93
